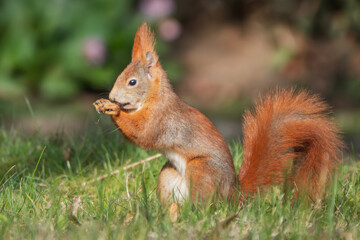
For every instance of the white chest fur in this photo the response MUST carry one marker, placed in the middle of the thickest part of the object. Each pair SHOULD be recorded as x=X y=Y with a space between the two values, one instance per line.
x=178 y=161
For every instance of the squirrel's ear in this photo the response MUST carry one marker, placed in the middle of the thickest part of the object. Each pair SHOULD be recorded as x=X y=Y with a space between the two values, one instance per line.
x=151 y=59
x=143 y=43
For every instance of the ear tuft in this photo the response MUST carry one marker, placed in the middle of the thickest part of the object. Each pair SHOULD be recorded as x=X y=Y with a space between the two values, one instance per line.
x=143 y=43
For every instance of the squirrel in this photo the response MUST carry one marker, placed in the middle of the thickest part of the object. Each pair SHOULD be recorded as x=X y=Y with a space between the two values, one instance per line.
x=288 y=138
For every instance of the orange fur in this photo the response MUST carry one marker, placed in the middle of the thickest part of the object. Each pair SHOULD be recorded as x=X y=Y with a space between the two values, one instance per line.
x=289 y=132
x=288 y=138
x=143 y=42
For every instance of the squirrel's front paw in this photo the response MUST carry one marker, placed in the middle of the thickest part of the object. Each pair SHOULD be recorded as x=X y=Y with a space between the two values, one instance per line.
x=105 y=106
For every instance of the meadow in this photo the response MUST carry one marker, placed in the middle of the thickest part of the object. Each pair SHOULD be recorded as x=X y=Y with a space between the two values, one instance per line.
x=66 y=187
x=59 y=182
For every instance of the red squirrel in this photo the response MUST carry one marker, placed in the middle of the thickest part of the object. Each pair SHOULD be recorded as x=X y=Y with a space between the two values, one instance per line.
x=288 y=138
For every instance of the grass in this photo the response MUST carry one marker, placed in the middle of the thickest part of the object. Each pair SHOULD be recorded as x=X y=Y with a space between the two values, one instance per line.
x=45 y=194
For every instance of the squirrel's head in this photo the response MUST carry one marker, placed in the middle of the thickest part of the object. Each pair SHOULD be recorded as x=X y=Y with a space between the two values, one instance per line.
x=137 y=81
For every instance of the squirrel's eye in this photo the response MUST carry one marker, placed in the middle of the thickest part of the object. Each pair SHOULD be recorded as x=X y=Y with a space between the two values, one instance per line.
x=132 y=82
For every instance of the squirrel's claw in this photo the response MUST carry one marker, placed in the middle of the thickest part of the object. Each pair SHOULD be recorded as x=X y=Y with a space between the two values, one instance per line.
x=105 y=106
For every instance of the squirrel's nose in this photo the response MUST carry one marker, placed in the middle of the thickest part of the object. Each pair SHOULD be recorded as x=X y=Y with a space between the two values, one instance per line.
x=112 y=96
x=116 y=96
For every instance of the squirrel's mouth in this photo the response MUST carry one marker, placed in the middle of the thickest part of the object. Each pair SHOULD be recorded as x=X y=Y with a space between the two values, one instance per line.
x=128 y=107
x=125 y=106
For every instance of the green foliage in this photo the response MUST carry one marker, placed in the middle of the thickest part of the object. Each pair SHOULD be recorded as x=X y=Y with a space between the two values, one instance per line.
x=57 y=198
x=43 y=45
x=331 y=18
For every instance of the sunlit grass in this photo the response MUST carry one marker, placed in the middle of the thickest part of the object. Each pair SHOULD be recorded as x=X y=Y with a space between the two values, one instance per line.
x=51 y=195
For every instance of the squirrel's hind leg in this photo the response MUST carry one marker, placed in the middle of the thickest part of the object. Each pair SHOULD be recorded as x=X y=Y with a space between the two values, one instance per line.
x=208 y=182
x=172 y=186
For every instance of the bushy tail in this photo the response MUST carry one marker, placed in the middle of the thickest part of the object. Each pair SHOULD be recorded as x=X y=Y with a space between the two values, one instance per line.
x=289 y=138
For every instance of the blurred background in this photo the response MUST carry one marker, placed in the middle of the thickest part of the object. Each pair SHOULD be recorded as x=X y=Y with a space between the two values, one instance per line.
x=58 y=56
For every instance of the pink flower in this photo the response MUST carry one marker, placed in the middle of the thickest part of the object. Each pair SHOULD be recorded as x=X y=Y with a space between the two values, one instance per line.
x=94 y=50
x=169 y=29
x=157 y=9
